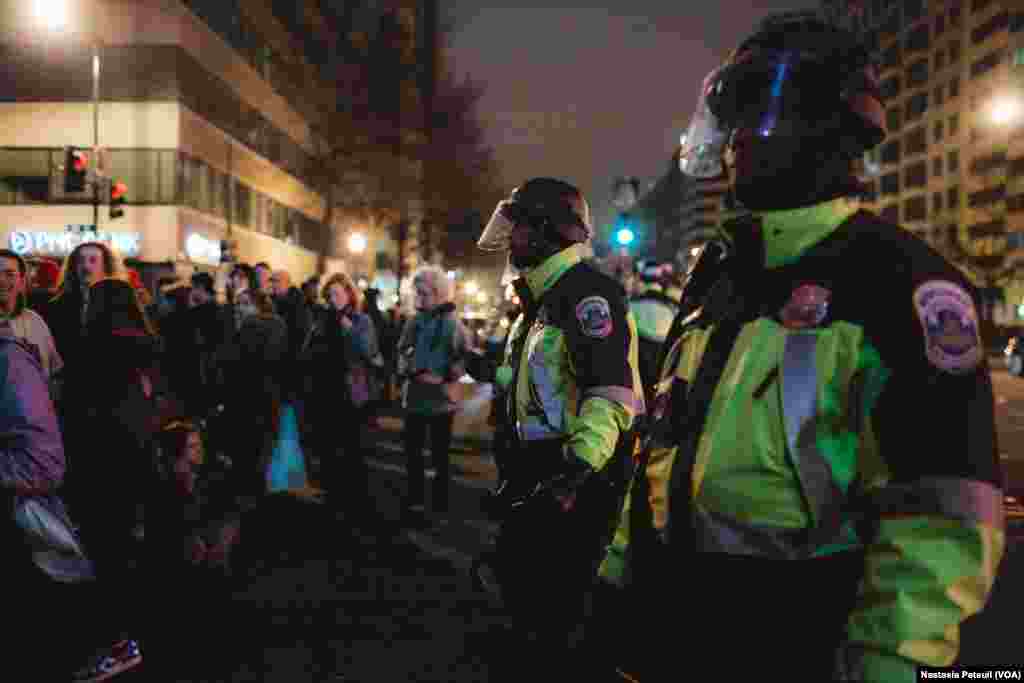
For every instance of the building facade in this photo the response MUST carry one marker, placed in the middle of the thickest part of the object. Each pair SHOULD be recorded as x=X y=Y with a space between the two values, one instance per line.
x=204 y=112
x=951 y=168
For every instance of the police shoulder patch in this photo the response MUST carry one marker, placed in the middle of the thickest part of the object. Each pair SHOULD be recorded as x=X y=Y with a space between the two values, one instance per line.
x=594 y=314
x=950 y=322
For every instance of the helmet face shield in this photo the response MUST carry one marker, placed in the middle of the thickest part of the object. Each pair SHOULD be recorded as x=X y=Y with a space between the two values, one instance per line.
x=497 y=234
x=768 y=92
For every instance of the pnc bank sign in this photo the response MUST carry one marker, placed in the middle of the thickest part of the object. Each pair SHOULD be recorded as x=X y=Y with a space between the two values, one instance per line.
x=25 y=242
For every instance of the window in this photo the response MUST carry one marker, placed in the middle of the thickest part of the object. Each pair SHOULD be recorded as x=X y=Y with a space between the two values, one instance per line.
x=989 y=163
x=1015 y=203
x=937 y=131
x=937 y=167
x=937 y=202
x=986 y=63
x=986 y=197
x=996 y=228
x=940 y=60
x=1016 y=167
x=954 y=124
x=915 y=142
x=954 y=51
x=891 y=213
x=912 y=9
x=1016 y=22
x=150 y=174
x=953 y=197
x=978 y=5
x=915 y=208
x=996 y=23
x=892 y=119
x=917 y=39
x=937 y=96
x=954 y=87
x=25 y=175
x=890 y=87
x=915 y=107
x=915 y=175
x=1018 y=56
x=243 y=204
x=891 y=152
x=953 y=161
x=891 y=183
x=917 y=73
x=1015 y=240
x=891 y=56
x=954 y=15
x=940 y=24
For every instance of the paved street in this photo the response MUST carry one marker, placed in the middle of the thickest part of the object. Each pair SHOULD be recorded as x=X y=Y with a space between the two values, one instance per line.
x=388 y=604
x=1009 y=391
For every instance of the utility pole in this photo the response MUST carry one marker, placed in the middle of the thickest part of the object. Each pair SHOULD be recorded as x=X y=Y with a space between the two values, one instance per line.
x=96 y=136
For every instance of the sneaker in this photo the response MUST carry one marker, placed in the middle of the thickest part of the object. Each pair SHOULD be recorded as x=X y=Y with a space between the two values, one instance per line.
x=119 y=658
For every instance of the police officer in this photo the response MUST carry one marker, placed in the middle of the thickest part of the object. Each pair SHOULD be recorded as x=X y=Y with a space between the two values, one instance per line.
x=573 y=391
x=654 y=311
x=822 y=490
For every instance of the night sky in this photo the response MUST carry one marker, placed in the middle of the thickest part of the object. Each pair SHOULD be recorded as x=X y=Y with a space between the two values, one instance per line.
x=587 y=94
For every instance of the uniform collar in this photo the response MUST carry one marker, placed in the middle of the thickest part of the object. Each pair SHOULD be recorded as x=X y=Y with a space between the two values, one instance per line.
x=790 y=232
x=543 y=277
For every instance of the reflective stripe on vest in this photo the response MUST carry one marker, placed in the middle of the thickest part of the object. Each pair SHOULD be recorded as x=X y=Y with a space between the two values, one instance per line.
x=973 y=502
x=719 y=533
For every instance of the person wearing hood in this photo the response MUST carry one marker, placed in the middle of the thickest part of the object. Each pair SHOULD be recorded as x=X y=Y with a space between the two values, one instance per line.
x=822 y=439
x=430 y=362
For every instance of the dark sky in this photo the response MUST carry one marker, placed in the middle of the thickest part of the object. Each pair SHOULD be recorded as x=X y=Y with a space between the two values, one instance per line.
x=591 y=93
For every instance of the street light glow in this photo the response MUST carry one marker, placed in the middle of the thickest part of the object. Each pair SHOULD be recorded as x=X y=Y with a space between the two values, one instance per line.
x=481 y=297
x=357 y=242
x=51 y=13
x=1005 y=110
x=471 y=287
x=624 y=236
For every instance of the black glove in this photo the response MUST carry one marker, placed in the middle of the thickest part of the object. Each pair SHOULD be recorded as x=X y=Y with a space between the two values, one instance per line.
x=566 y=486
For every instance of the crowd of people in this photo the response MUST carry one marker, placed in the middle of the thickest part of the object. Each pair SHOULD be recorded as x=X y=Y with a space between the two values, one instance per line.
x=146 y=424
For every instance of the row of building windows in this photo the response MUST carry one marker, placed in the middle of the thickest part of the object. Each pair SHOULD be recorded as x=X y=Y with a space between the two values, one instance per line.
x=915 y=175
x=916 y=208
x=154 y=177
x=914 y=141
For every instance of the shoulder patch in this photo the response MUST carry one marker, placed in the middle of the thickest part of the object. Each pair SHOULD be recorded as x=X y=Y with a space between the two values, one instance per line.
x=594 y=314
x=950 y=322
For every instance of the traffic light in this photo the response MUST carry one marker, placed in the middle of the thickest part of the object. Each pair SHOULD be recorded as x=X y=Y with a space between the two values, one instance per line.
x=76 y=168
x=118 y=190
x=625 y=236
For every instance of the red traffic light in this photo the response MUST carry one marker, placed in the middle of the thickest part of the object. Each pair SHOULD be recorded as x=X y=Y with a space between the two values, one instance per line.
x=118 y=190
x=80 y=161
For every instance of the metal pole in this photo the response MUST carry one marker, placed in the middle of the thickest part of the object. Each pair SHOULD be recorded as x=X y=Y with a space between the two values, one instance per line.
x=96 y=137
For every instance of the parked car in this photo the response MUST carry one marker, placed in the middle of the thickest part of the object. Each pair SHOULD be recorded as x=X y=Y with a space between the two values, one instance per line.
x=1014 y=353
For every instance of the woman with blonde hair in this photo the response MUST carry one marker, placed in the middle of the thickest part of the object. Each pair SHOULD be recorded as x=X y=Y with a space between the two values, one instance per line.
x=430 y=361
x=345 y=357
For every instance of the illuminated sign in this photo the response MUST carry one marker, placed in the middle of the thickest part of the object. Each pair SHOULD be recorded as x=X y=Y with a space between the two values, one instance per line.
x=63 y=243
x=201 y=249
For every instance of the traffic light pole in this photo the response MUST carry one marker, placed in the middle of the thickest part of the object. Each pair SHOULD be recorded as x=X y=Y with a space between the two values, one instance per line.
x=96 y=137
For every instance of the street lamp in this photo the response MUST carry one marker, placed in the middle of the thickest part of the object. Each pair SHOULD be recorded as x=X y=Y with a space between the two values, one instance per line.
x=471 y=287
x=1005 y=110
x=51 y=13
x=357 y=243
x=481 y=297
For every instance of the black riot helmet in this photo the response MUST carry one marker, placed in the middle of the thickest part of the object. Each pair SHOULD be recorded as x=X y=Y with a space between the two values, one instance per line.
x=797 y=82
x=555 y=212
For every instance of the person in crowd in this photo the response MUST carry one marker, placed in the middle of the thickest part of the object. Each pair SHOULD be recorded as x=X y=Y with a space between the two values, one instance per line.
x=25 y=323
x=262 y=275
x=107 y=485
x=430 y=362
x=211 y=328
x=45 y=273
x=65 y=315
x=32 y=466
x=255 y=373
x=291 y=306
x=190 y=535
x=239 y=294
x=344 y=359
x=311 y=292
